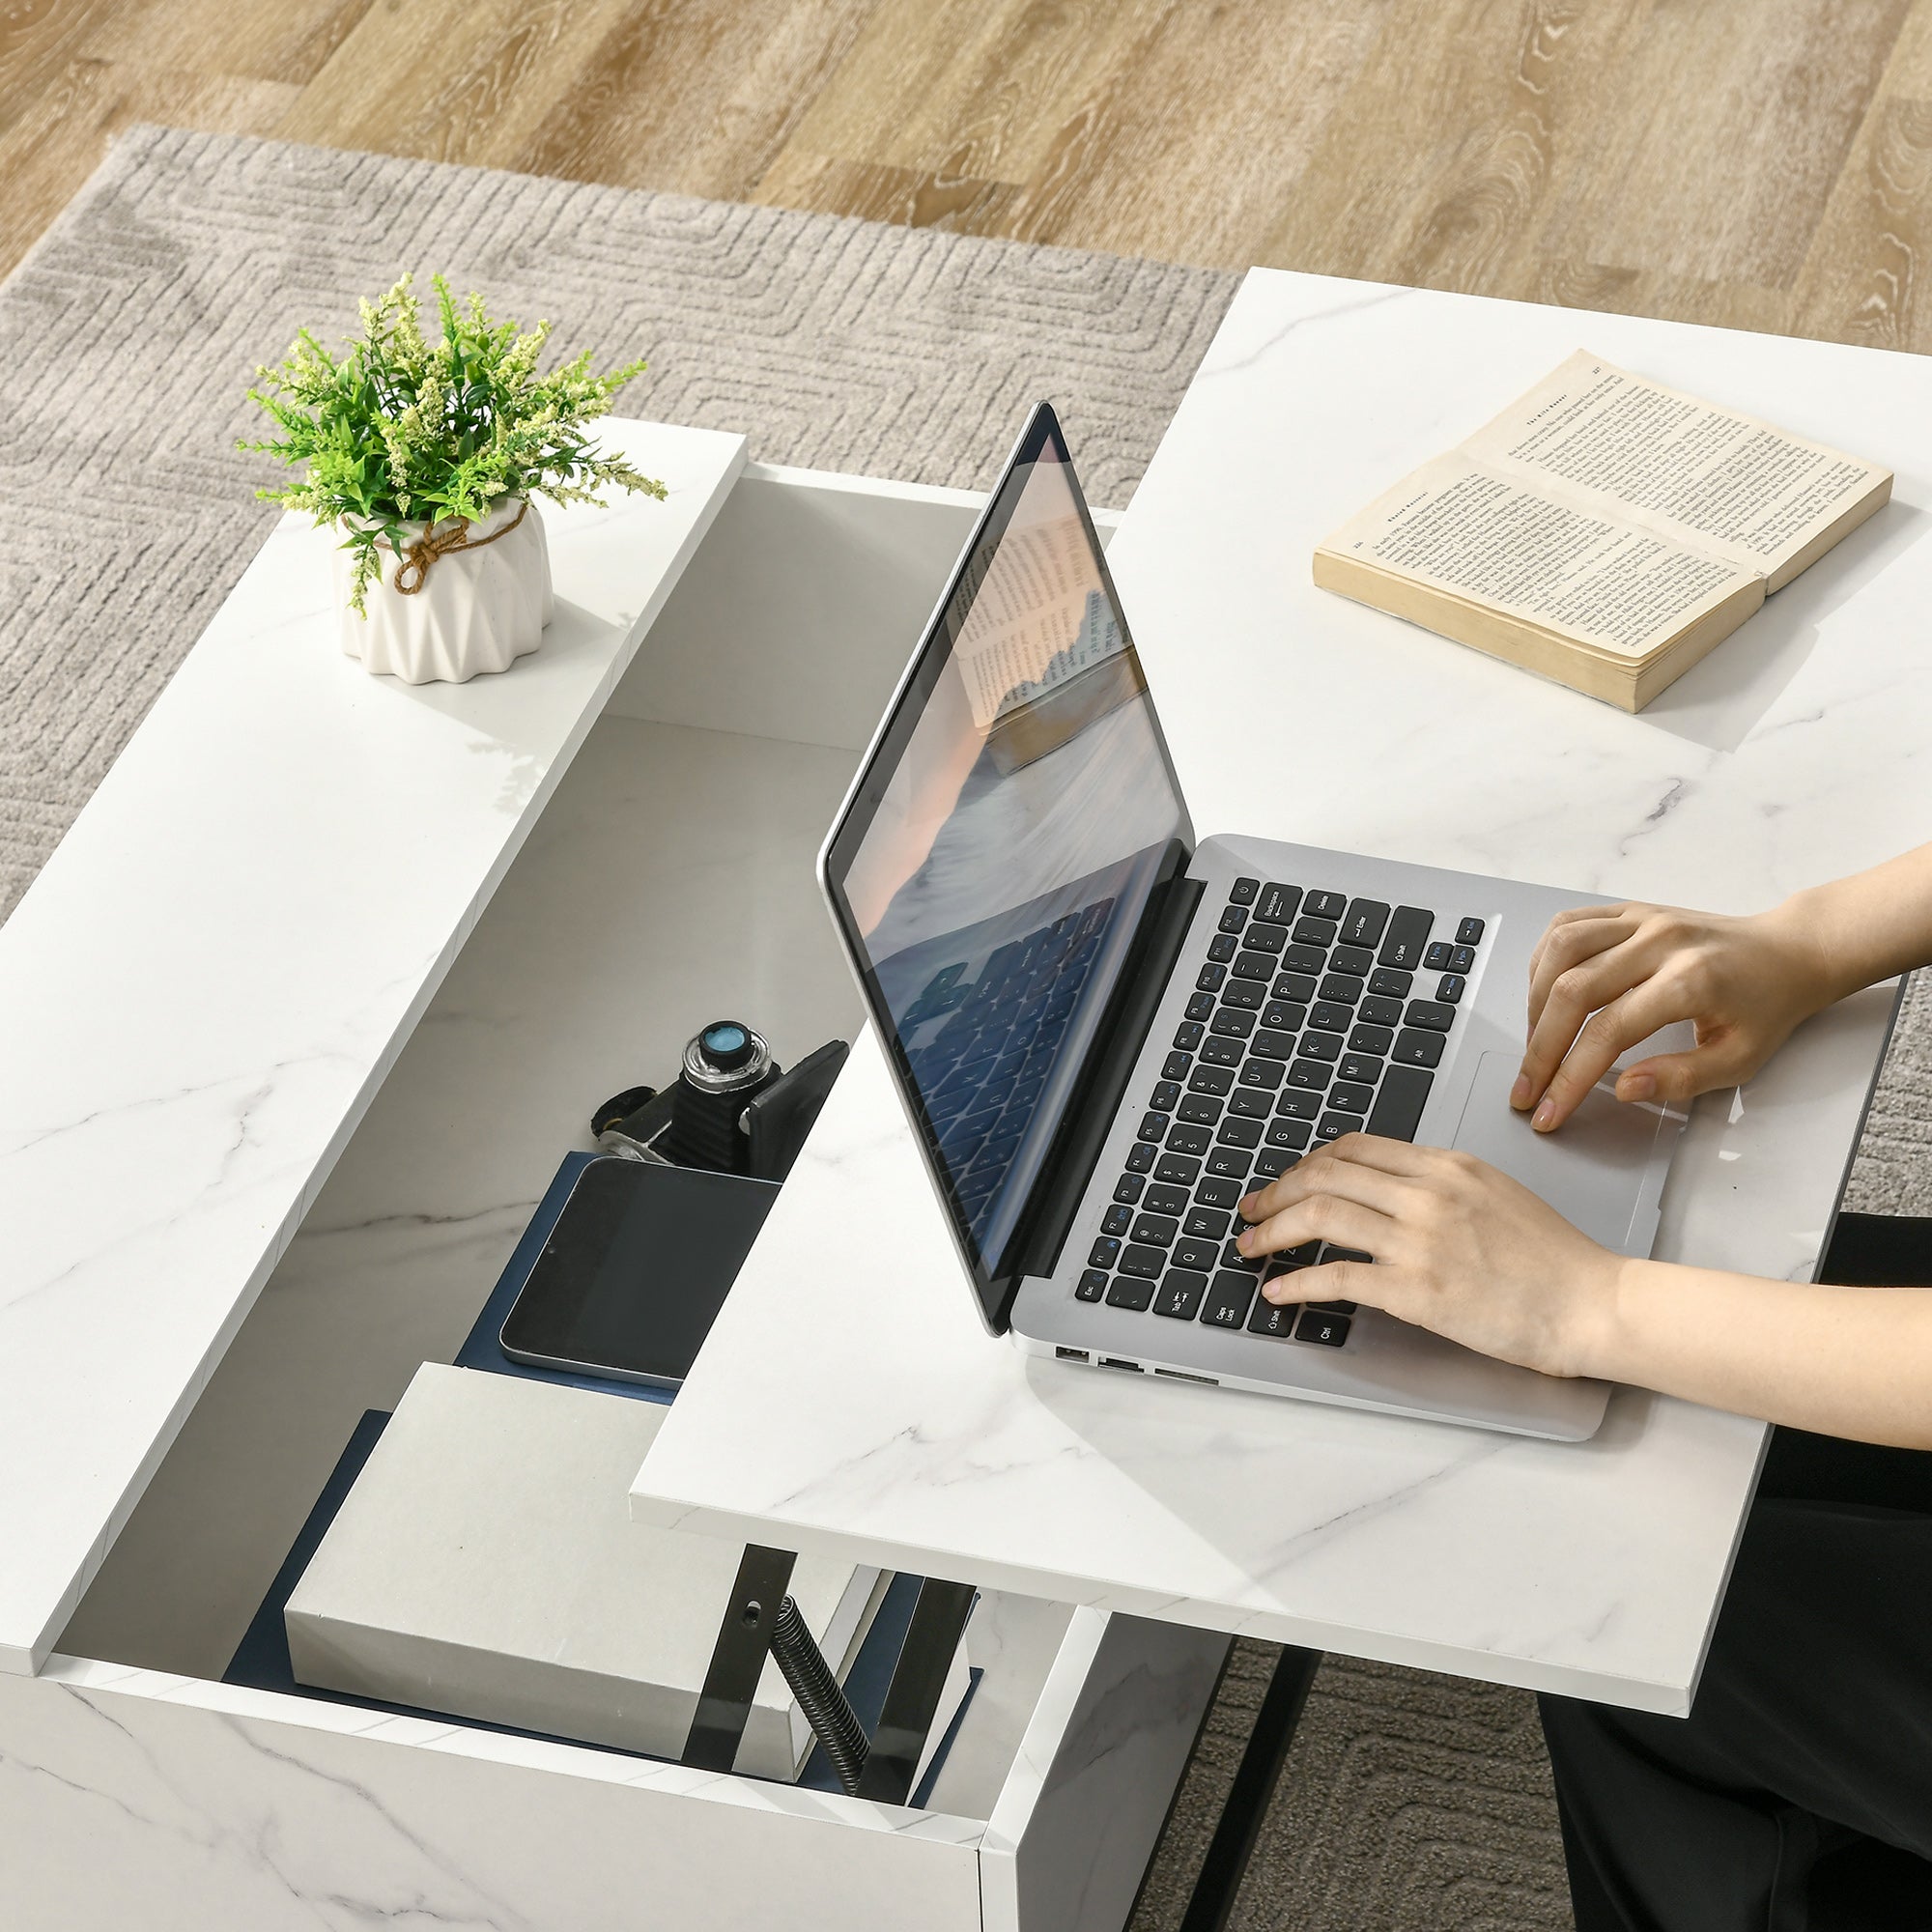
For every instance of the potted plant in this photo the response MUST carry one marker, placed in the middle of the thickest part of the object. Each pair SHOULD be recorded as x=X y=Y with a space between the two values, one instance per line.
x=426 y=454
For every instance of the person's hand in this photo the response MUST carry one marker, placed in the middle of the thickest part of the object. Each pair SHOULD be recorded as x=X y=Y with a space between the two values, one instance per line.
x=1603 y=978
x=1458 y=1246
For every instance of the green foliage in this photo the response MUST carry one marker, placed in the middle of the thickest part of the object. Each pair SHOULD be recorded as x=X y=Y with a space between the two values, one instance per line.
x=400 y=427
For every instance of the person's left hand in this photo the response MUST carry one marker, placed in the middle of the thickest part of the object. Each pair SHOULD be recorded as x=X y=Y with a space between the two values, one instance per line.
x=1458 y=1246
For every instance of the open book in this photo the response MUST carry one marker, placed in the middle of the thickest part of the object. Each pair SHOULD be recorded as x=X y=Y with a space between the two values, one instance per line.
x=1603 y=531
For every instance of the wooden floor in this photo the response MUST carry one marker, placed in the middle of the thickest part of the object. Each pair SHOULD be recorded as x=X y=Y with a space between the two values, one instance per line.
x=1766 y=163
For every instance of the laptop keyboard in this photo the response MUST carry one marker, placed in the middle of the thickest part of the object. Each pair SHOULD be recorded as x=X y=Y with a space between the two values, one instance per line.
x=1312 y=1015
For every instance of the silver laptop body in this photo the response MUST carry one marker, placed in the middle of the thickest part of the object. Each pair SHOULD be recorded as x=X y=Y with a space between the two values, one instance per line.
x=1104 y=1031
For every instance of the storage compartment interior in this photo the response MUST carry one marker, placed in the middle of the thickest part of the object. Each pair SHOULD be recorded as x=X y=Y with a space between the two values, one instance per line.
x=668 y=882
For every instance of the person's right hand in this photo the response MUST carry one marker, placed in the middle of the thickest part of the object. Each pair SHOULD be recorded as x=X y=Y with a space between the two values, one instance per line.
x=1603 y=978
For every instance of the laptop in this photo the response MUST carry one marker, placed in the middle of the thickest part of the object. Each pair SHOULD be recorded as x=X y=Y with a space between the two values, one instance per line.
x=1105 y=1031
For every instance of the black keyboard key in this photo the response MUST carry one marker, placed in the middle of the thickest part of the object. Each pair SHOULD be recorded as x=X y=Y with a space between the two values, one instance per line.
x=1390 y=983
x=1229 y=1162
x=1187 y=1036
x=1372 y=1039
x=1271 y=1163
x=1320 y=1045
x=1235 y=1131
x=1092 y=1285
x=1233 y=919
x=1225 y=1305
x=1362 y=924
x=1429 y=1014
x=1397 y=1108
x=1232 y=1257
x=1176 y=1065
x=1217 y=1193
x=1139 y=1159
x=1450 y=987
x=1242 y=891
x=1435 y=959
x=1152 y=1127
x=1262 y=938
x=1253 y=1104
x=1165 y=1094
x=1348 y=1096
x=1363 y=1067
x=1249 y=995
x=1208 y=979
x=1309 y=959
x=1327 y=1332
x=1231 y=1022
x=1342 y=988
x=1415 y=1048
x=1286 y=1133
x=1193 y=1254
x=1334 y=1307
x=1104 y=1253
x=1314 y=932
x=1117 y=1220
x=1218 y=1052
x=1223 y=946
x=1127 y=1189
x=1469 y=932
x=1408 y=931
x=1268 y=1044
x=1130 y=1291
x=1331 y=1252
x=1325 y=905
x=1155 y=1229
x=1254 y=966
x=1293 y=1104
x=1162 y=1199
x=1206 y=1224
x=1187 y=1140
x=1145 y=1262
x=1312 y=1074
x=1278 y=904
x=1262 y=1073
x=1200 y=1006
x=1355 y=959
x=1461 y=959
x=1203 y=1110
x=1271 y=1318
x=1293 y=988
x=1331 y=1017
x=1211 y=1079
x=1178 y=1170
x=1181 y=1293
x=1332 y=1127
x=1379 y=1011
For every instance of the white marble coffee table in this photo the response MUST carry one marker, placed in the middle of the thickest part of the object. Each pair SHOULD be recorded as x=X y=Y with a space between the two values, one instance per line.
x=847 y=1400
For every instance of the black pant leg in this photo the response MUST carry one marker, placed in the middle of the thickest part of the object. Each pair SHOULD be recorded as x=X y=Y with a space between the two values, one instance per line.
x=1812 y=1727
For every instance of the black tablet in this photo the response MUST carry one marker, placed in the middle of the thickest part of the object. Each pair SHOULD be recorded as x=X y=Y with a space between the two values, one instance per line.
x=636 y=1270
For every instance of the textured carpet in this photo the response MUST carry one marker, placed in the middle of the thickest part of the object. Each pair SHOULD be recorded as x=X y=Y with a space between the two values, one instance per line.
x=1410 y=1803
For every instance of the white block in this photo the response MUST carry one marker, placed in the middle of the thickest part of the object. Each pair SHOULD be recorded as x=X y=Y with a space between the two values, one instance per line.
x=485 y=1565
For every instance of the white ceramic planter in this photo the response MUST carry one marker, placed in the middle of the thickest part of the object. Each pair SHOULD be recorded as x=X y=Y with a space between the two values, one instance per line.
x=479 y=608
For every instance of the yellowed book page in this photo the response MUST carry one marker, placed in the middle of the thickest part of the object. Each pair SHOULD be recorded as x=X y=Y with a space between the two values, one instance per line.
x=1714 y=478
x=1617 y=589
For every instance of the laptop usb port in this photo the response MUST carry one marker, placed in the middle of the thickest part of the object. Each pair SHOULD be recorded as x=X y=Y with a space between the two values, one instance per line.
x=1182 y=1375
x=1114 y=1362
x=1072 y=1354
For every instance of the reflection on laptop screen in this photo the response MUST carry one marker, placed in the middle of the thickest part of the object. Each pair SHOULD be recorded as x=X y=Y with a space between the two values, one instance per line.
x=1018 y=828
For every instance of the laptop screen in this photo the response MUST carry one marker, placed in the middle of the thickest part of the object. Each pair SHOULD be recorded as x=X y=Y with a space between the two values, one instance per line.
x=1001 y=845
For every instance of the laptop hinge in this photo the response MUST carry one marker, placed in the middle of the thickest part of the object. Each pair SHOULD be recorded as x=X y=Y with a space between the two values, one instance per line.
x=1091 y=1117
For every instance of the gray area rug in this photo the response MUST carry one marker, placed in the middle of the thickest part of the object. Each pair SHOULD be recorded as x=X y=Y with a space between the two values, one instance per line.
x=1410 y=1803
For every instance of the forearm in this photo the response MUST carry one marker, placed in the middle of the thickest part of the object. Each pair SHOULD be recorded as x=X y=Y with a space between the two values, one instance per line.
x=1868 y=926
x=1854 y=1362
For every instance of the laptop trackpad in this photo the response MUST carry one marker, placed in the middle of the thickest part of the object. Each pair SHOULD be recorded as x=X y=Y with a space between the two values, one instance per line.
x=1591 y=1170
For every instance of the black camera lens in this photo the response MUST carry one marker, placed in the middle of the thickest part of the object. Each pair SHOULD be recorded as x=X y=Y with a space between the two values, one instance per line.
x=726 y=1046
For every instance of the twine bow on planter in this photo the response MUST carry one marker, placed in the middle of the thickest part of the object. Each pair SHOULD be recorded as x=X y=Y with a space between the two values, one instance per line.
x=428 y=546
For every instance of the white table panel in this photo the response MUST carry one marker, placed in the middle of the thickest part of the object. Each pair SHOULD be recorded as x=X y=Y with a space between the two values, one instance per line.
x=909 y=1437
